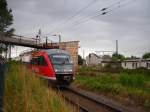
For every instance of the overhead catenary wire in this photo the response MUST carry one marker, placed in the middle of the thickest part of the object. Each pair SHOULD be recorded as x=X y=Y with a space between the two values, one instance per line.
x=91 y=16
x=102 y=13
x=69 y=18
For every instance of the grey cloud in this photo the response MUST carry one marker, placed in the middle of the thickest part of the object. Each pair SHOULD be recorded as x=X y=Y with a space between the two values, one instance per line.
x=129 y=24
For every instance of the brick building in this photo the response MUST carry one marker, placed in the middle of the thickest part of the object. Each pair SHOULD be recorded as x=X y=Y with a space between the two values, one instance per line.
x=72 y=48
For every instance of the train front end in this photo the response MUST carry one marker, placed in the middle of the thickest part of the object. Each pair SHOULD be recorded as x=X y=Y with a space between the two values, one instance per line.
x=63 y=67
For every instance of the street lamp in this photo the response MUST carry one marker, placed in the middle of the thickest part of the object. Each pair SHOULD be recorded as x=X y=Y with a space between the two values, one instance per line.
x=59 y=36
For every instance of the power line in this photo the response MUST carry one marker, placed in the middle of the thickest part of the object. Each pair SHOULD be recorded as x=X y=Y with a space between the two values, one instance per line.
x=101 y=13
x=74 y=15
x=103 y=9
x=100 y=10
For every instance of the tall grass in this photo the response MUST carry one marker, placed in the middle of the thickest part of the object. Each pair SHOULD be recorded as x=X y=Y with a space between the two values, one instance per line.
x=24 y=92
x=136 y=80
x=133 y=85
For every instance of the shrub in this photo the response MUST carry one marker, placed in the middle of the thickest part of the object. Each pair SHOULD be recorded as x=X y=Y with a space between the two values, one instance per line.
x=132 y=80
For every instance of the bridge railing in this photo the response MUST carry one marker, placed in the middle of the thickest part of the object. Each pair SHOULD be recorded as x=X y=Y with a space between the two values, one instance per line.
x=25 y=41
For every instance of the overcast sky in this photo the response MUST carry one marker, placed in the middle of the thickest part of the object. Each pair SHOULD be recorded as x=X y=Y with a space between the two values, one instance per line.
x=128 y=22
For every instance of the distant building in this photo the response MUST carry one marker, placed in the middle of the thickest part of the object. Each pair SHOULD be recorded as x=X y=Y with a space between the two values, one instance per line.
x=16 y=58
x=93 y=59
x=25 y=57
x=106 y=58
x=136 y=63
x=112 y=64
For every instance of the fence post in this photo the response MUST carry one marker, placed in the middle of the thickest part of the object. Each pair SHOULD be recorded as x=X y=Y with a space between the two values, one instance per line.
x=2 y=82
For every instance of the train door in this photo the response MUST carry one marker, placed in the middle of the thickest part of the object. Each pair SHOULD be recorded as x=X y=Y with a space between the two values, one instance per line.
x=43 y=66
x=34 y=65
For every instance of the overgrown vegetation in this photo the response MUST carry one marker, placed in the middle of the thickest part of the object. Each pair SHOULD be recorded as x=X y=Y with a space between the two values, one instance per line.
x=146 y=55
x=24 y=92
x=133 y=85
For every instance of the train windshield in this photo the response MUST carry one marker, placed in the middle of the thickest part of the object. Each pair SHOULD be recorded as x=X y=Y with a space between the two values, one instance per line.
x=60 y=59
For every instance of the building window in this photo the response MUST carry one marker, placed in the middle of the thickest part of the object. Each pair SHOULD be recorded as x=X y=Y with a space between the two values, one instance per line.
x=147 y=65
x=132 y=65
x=135 y=65
x=125 y=64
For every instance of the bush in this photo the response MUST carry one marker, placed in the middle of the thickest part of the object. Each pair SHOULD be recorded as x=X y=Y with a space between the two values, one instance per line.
x=141 y=71
x=136 y=81
x=129 y=84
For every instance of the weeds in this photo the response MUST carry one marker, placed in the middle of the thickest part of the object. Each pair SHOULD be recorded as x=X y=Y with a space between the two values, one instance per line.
x=24 y=92
x=131 y=84
x=135 y=81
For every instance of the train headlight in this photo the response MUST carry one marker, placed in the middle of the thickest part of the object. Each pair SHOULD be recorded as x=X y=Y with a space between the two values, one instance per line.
x=70 y=70
x=56 y=70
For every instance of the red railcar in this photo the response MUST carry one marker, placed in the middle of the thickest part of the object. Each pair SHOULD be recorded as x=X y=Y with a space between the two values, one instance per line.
x=54 y=64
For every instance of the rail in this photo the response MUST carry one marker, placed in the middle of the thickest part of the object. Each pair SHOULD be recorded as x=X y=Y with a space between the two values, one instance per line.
x=100 y=102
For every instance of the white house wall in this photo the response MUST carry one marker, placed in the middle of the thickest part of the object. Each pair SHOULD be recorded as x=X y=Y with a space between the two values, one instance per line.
x=136 y=64
x=93 y=60
x=145 y=64
x=26 y=58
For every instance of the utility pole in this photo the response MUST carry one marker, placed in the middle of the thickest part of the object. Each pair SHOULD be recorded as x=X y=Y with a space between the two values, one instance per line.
x=59 y=36
x=39 y=35
x=46 y=40
x=116 y=46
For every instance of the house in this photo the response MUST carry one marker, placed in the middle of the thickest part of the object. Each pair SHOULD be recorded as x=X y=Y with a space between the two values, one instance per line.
x=111 y=63
x=93 y=59
x=136 y=63
x=26 y=56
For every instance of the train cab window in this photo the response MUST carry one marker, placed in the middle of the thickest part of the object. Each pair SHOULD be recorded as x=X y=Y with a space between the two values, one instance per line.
x=42 y=61
x=35 y=61
x=60 y=59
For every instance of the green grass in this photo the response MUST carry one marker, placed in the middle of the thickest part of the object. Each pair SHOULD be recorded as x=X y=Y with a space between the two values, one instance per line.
x=24 y=92
x=134 y=85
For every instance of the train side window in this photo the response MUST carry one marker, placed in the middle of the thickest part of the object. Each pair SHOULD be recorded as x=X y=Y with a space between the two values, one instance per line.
x=42 y=61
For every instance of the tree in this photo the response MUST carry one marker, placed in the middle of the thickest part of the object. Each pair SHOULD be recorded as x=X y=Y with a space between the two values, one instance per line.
x=132 y=57
x=80 y=60
x=117 y=57
x=6 y=19
x=146 y=55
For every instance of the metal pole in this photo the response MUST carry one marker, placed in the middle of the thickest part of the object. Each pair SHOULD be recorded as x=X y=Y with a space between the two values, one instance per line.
x=116 y=46
x=9 y=52
x=36 y=39
x=46 y=41
x=59 y=39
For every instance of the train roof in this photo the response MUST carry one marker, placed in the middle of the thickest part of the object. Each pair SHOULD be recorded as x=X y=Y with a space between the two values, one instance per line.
x=56 y=51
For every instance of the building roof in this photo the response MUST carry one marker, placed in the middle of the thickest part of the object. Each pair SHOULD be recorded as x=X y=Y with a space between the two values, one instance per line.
x=136 y=60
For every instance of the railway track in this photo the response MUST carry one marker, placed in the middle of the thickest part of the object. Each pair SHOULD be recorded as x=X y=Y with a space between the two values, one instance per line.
x=88 y=102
